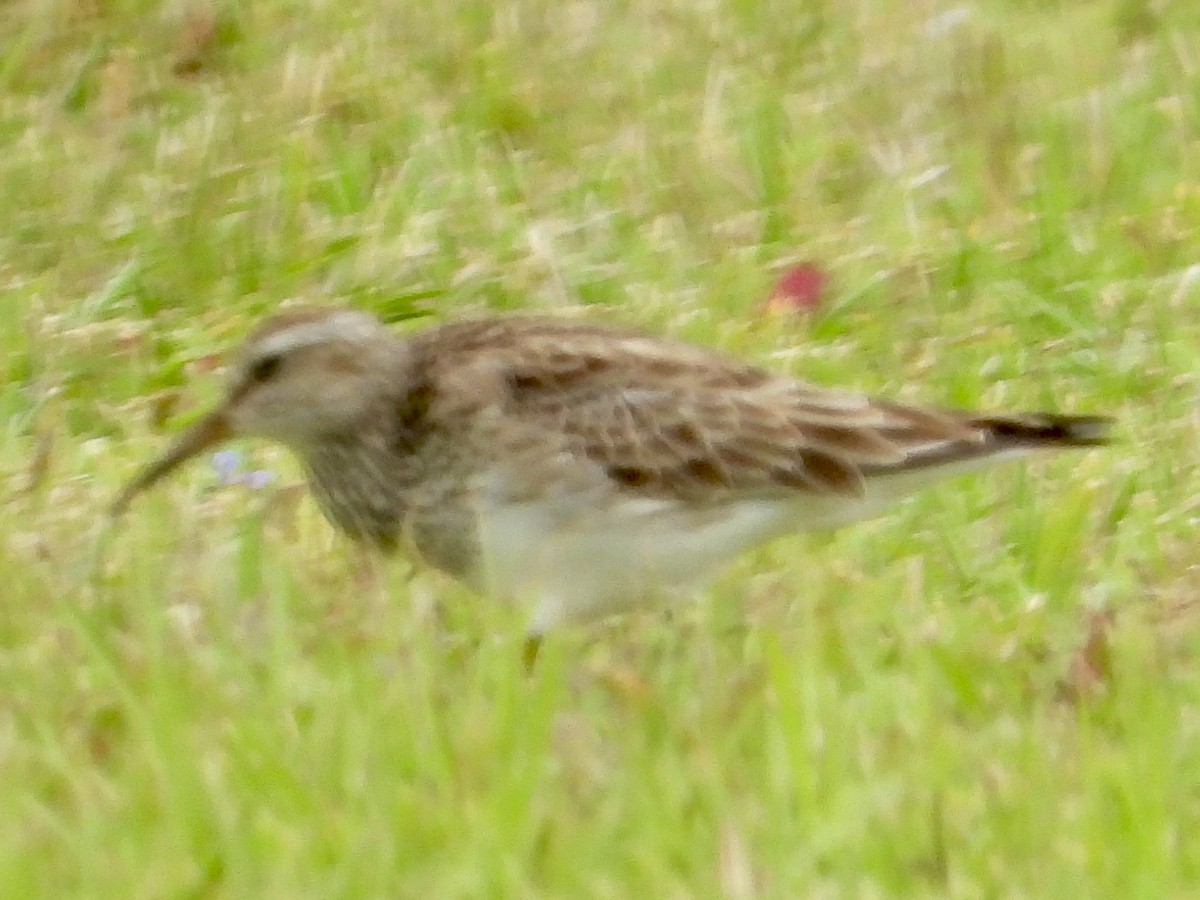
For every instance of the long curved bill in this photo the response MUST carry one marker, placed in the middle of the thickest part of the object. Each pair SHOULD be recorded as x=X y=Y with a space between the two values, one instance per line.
x=213 y=429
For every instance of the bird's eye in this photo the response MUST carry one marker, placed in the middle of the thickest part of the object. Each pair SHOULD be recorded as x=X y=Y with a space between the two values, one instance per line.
x=264 y=369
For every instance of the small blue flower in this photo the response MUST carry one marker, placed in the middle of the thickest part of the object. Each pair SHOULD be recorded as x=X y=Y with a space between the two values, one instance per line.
x=258 y=479
x=229 y=466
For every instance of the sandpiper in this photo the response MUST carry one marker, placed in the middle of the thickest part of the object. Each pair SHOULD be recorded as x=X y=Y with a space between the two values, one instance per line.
x=576 y=469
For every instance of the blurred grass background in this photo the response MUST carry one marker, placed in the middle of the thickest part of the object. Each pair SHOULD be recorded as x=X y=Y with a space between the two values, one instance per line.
x=991 y=692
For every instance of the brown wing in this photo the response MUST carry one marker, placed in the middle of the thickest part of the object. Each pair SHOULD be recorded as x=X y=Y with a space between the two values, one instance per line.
x=663 y=418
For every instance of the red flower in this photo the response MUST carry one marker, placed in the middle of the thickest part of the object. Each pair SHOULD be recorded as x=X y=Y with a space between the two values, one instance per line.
x=799 y=289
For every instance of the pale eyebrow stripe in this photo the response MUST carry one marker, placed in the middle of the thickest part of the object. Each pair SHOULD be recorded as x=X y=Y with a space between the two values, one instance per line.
x=344 y=325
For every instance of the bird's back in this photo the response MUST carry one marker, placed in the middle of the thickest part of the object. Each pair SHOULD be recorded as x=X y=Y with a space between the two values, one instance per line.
x=667 y=419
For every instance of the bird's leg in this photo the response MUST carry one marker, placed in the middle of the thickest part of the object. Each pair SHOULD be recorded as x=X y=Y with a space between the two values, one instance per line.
x=547 y=614
x=529 y=651
x=366 y=567
x=367 y=575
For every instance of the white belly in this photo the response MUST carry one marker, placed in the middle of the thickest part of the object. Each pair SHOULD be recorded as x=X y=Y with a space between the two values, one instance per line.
x=592 y=553
x=606 y=560
x=603 y=562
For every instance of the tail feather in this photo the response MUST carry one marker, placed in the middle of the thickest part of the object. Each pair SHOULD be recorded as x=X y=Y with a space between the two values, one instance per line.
x=1043 y=430
x=998 y=435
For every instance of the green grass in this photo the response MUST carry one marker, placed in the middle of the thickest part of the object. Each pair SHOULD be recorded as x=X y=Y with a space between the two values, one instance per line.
x=214 y=701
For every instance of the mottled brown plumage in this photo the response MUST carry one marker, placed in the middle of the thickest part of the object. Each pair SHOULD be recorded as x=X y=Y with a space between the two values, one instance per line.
x=574 y=467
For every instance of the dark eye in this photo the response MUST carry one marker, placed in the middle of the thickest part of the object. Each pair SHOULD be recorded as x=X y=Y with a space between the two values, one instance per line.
x=265 y=368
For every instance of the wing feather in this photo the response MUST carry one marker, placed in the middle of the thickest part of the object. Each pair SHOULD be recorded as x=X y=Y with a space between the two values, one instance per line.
x=668 y=419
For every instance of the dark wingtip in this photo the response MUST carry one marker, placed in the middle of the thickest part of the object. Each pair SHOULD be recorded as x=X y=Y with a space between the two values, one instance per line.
x=1049 y=429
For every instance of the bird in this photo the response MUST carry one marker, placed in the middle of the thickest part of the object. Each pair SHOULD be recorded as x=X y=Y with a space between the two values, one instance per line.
x=577 y=469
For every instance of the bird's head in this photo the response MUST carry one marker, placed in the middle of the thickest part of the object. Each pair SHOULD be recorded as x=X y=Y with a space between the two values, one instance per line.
x=300 y=377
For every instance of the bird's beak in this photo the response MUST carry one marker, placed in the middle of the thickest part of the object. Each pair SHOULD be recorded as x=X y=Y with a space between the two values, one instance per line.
x=213 y=429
